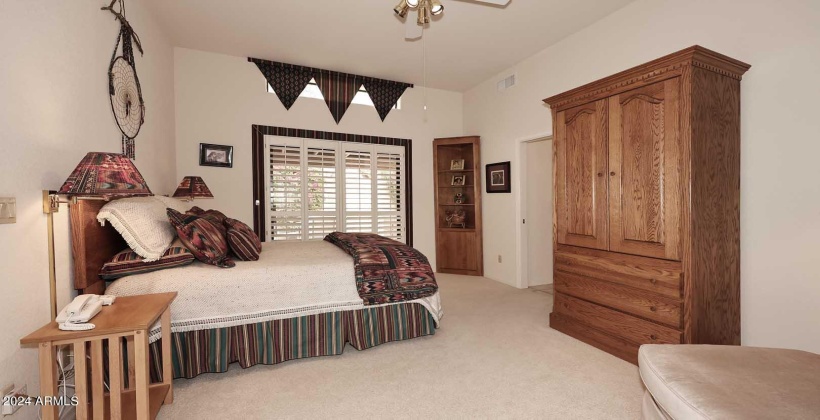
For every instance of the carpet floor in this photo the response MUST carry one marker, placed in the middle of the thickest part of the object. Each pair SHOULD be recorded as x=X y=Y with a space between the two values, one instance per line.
x=493 y=357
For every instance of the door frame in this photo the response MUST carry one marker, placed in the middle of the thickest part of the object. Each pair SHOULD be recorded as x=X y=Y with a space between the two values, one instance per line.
x=521 y=235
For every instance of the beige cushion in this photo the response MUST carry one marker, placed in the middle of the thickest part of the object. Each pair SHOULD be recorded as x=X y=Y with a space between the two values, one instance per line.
x=650 y=409
x=730 y=382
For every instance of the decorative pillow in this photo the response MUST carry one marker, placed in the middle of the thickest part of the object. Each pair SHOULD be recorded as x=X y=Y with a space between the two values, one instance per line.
x=127 y=262
x=243 y=241
x=214 y=216
x=143 y=223
x=202 y=238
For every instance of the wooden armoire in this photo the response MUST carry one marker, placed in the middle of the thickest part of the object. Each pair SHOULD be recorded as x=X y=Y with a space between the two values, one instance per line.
x=647 y=205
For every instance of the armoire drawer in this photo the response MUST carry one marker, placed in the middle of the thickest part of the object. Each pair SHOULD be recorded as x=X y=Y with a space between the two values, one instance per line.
x=647 y=305
x=615 y=323
x=650 y=274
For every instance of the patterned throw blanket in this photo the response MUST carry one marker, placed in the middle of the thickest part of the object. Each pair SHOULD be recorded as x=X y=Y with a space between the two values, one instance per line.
x=386 y=270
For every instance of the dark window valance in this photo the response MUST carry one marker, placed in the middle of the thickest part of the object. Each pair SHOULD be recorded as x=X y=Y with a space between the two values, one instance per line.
x=338 y=89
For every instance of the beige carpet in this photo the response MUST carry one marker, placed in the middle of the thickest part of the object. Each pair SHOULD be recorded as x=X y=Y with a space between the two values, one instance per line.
x=493 y=357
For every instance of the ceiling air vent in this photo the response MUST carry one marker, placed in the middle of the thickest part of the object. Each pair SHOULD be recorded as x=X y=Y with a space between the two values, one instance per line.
x=506 y=83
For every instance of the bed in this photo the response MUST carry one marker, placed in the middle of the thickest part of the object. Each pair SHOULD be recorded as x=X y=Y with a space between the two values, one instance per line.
x=284 y=306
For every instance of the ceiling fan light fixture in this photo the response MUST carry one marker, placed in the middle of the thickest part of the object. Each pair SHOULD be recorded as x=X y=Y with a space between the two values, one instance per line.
x=413 y=3
x=424 y=14
x=402 y=8
x=436 y=8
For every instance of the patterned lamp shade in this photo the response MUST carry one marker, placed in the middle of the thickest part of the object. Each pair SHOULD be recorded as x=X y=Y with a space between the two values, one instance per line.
x=192 y=187
x=105 y=175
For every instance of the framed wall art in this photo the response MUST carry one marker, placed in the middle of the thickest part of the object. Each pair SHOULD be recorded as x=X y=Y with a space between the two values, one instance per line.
x=215 y=155
x=498 y=178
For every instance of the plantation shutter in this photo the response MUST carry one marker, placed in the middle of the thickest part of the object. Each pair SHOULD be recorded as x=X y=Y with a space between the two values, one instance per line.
x=390 y=193
x=285 y=186
x=322 y=188
x=359 y=188
x=317 y=187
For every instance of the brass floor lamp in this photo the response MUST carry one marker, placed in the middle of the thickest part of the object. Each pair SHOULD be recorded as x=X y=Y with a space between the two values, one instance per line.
x=98 y=176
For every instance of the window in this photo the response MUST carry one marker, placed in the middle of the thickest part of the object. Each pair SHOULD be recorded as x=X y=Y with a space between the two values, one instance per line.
x=312 y=91
x=320 y=186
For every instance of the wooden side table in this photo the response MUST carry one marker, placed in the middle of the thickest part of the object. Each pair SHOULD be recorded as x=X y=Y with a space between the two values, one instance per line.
x=129 y=319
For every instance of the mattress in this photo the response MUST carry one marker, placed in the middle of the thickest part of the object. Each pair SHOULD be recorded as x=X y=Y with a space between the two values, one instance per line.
x=291 y=279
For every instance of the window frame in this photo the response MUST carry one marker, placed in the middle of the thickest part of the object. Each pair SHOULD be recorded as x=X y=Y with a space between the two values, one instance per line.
x=260 y=158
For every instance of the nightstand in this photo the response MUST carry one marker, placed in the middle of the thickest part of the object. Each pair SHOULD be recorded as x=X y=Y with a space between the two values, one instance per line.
x=128 y=321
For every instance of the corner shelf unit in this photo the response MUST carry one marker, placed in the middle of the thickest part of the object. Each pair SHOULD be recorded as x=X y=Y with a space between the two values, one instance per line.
x=459 y=250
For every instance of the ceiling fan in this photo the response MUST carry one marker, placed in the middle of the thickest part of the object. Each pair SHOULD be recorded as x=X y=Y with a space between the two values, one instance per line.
x=426 y=8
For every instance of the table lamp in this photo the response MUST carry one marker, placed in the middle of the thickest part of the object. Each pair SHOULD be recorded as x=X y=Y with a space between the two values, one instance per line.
x=192 y=187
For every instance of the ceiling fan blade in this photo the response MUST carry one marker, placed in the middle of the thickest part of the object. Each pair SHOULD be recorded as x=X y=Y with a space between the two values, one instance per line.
x=412 y=29
x=495 y=2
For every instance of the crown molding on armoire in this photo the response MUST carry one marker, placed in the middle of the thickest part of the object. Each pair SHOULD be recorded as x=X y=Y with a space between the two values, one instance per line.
x=655 y=70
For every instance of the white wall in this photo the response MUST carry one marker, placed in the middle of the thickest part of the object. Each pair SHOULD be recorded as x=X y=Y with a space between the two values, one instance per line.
x=780 y=205
x=219 y=98
x=54 y=109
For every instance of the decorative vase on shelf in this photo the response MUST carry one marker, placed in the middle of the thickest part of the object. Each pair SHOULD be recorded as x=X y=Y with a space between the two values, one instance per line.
x=460 y=199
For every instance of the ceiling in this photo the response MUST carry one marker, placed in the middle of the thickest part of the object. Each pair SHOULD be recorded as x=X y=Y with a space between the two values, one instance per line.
x=468 y=44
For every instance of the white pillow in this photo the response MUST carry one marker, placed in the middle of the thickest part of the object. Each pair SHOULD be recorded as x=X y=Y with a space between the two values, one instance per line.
x=143 y=223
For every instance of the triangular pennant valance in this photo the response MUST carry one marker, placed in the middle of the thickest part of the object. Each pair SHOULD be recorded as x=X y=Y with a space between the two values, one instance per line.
x=338 y=89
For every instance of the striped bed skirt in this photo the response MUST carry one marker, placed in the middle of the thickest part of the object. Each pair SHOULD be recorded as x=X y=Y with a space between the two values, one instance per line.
x=272 y=342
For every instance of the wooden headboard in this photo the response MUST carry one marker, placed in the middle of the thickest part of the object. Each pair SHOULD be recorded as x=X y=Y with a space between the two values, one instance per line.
x=92 y=245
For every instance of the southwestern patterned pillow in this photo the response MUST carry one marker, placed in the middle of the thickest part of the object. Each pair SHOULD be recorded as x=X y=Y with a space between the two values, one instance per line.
x=244 y=242
x=127 y=262
x=214 y=216
x=202 y=238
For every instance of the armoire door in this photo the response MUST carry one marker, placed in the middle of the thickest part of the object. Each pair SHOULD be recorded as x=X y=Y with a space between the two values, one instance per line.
x=645 y=195
x=580 y=175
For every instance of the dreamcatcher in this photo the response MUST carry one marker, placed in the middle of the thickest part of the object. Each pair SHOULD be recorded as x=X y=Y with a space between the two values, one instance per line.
x=123 y=84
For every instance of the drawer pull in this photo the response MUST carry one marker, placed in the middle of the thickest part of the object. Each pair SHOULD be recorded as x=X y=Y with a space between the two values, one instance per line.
x=600 y=174
x=653 y=309
x=653 y=337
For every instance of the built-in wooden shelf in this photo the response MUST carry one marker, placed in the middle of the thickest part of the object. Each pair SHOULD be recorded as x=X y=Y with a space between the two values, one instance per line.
x=458 y=250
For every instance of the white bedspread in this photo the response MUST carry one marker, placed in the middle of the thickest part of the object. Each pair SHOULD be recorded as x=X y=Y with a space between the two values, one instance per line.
x=291 y=279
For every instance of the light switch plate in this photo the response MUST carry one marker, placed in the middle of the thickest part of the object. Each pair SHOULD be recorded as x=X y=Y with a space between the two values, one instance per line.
x=8 y=210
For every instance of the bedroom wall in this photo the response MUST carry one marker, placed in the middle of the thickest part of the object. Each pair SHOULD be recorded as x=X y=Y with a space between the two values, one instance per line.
x=219 y=97
x=54 y=109
x=780 y=208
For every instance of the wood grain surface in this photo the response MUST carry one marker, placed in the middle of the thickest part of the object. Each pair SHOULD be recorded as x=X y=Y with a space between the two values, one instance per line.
x=644 y=160
x=670 y=269
x=713 y=302
x=581 y=183
x=632 y=301
x=614 y=322
x=458 y=251
x=652 y=275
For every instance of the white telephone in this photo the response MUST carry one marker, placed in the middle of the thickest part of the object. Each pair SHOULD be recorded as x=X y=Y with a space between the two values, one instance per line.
x=76 y=315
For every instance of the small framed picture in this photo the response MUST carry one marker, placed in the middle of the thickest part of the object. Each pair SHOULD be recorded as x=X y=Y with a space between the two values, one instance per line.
x=457 y=165
x=215 y=155
x=498 y=178
x=459 y=180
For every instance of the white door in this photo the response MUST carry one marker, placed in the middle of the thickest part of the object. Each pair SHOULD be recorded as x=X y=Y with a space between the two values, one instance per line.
x=539 y=212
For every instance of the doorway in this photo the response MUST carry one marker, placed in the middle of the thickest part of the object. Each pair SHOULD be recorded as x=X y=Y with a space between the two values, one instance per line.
x=535 y=212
